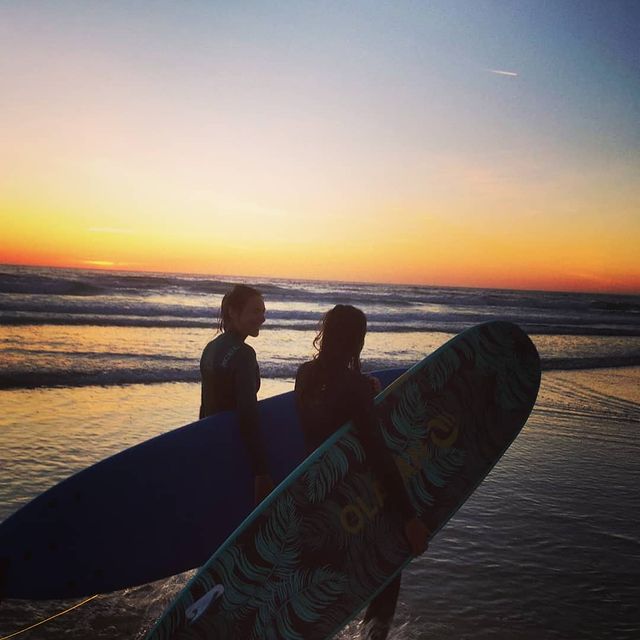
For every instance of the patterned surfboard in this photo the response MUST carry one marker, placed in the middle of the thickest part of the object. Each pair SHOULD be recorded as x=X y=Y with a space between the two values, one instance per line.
x=327 y=540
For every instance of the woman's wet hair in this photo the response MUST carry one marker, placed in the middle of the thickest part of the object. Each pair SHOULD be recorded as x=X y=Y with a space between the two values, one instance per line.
x=341 y=337
x=235 y=299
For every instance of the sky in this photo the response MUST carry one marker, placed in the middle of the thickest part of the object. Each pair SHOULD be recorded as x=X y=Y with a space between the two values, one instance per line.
x=477 y=143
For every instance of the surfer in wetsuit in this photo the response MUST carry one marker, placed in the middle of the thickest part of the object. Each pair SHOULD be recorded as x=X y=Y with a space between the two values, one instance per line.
x=231 y=377
x=330 y=390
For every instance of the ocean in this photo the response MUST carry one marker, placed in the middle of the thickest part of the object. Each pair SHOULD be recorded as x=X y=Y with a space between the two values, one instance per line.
x=92 y=362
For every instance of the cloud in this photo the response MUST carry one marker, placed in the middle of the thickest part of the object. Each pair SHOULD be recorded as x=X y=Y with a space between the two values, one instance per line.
x=99 y=263
x=500 y=72
x=107 y=263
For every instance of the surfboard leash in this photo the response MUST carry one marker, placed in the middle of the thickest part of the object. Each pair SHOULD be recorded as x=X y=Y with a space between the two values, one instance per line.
x=57 y=615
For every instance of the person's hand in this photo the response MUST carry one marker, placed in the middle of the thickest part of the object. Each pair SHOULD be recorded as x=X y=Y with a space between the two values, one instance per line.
x=376 y=387
x=262 y=487
x=417 y=535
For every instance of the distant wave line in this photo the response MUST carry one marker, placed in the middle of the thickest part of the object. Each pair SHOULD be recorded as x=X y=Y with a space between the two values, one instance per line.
x=30 y=351
x=21 y=379
x=445 y=325
x=391 y=295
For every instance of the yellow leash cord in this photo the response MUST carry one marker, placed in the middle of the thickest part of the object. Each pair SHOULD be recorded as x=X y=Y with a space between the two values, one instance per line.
x=33 y=626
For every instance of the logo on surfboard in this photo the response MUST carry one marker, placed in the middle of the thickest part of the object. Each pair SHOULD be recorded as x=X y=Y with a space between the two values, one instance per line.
x=201 y=605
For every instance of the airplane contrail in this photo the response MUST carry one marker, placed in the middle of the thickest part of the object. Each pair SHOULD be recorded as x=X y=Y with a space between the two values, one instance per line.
x=500 y=72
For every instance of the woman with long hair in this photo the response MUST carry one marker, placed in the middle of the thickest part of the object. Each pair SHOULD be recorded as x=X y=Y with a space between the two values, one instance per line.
x=330 y=390
x=231 y=377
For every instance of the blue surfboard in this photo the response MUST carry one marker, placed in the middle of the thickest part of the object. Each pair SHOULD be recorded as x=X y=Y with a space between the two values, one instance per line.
x=154 y=510
x=327 y=540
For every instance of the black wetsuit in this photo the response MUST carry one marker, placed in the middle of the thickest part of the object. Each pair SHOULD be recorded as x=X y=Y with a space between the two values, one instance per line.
x=230 y=380
x=324 y=404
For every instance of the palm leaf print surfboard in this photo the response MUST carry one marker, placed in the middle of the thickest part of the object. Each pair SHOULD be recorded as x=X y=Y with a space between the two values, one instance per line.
x=327 y=540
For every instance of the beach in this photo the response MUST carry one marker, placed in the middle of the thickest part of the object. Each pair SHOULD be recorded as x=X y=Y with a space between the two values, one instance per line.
x=438 y=165
x=548 y=545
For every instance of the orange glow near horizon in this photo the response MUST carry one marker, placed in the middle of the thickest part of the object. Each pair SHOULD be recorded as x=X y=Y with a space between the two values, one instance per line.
x=439 y=241
x=441 y=256
x=393 y=242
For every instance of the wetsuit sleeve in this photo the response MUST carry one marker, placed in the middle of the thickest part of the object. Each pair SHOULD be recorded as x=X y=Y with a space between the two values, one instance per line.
x=246 y=388
x=381 y=460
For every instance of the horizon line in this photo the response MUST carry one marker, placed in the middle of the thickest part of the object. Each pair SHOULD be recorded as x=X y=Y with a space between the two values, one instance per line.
x=633 y=292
